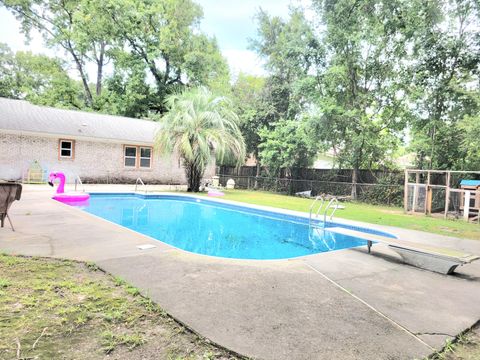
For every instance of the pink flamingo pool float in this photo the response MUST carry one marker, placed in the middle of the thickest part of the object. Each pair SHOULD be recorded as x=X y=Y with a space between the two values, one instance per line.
x=61 y=195
x=214 y=192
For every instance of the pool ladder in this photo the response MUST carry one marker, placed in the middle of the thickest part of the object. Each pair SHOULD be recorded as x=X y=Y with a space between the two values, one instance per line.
x=78 y=181
x=140 y=181
x=333 y=203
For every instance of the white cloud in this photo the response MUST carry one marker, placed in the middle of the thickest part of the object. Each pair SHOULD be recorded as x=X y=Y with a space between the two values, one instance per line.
x=244 y=61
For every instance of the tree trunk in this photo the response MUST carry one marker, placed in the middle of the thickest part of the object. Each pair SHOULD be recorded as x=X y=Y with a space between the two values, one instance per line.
x=257 y=174
x=354 y=183
x=88 y=93
x=100 y=62
x=194 y=176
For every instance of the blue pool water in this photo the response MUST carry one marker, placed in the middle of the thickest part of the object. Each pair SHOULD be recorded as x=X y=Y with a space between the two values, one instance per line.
x=211 y=228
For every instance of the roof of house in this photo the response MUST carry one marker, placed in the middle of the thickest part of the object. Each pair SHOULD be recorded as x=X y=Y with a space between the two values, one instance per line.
x=22 y=116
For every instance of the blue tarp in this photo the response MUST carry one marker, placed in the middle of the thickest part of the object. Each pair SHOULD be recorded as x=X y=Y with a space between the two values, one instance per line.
x=470 y=183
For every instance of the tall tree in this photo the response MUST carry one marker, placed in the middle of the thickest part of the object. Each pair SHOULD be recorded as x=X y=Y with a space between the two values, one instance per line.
x=164 y=35
x=38 y=79
x=285 y=147
x=470 y=143
x=445 y=80
x=198 y=127
x=127 y=91
x=361 y=106
x=8 y=86
x=293 y=55
x=247 y=95
x=68 y=24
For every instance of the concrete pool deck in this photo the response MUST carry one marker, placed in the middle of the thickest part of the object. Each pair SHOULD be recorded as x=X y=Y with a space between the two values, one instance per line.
x=344 y=304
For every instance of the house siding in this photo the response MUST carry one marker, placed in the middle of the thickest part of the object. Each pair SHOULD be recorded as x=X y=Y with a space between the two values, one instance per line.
x=94 y=161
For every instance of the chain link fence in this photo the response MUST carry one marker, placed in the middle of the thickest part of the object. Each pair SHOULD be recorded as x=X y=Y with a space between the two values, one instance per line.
x=383 y=192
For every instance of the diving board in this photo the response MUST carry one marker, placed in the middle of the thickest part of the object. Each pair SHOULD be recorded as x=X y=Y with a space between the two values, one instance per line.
x=427 y=257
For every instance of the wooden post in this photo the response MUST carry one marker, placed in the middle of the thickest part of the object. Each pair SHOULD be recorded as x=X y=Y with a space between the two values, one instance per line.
x=428 y=195
x=447 y=195
x=466 y=206
x=405 y=192
x=415 y=192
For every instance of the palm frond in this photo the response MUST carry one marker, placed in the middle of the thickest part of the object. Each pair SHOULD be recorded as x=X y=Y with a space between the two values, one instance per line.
x=199 y=126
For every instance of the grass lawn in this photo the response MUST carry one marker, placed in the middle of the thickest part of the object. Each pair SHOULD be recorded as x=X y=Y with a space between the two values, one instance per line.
x=53 y=309
x=382 y=215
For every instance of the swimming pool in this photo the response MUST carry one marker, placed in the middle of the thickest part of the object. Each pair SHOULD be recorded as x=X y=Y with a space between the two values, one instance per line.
x=219 y=229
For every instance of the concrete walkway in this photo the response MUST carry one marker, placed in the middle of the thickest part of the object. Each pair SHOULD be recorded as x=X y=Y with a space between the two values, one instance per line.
x=338 y=305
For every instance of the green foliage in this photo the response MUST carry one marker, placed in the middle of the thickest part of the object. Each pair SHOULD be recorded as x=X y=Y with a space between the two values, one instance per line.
x=373 y=76
x=4 y=283
x=293 y=54
x=445 y=84
x=386 y=191
x=248 y=99
x=126 y=92
x=285 y=147
x=470 y=142
x=38 y=79
x=360 y=110
x=69 y=25
x=111 y=340
x=168 y=45
x=8 y=86
x=198 y=127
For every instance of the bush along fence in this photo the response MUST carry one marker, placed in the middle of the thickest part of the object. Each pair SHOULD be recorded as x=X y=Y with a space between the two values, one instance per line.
x=371 y=186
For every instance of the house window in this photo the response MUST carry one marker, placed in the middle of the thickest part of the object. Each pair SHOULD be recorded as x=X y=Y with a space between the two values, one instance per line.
x=130 y=156
x=138 y=157
x=66 y=149
x=145 y=157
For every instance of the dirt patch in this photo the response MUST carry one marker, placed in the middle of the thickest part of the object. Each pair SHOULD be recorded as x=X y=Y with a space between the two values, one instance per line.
x=53 y=309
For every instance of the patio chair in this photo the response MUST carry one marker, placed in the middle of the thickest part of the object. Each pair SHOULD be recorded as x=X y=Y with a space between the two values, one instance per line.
x=9 y=192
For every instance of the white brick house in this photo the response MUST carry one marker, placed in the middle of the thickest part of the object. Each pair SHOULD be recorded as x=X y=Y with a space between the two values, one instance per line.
x=96 y=147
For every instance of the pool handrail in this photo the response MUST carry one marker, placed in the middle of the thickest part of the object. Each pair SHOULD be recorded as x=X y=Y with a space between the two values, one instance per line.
x=79 y=181
x=336 y=206
x=333 y=202
x=317 y=198
x=139 y=180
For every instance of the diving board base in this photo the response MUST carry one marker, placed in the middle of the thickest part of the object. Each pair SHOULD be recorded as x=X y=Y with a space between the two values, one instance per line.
x=435 y=263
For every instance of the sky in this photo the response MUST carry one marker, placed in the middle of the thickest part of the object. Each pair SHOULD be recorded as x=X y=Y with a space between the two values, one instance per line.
x=231 y=22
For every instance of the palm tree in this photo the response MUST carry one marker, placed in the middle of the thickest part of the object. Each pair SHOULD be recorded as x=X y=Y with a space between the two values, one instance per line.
x=199 y=126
